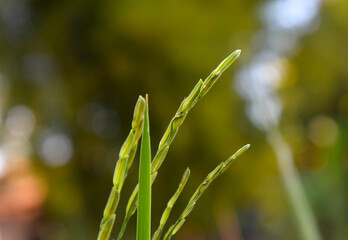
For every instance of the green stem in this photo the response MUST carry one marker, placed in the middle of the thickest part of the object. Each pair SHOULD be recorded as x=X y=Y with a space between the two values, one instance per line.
x=293 y=186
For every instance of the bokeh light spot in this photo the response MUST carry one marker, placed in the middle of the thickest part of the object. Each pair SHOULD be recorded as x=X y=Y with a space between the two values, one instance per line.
x=56 y=149
x=322 y=131
x=20 y=121
x=2 y=162
x=39 y=67
x=291 y=14
x=102 y=121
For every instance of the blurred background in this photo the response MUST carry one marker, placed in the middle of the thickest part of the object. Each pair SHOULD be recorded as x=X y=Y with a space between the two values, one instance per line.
x=71 y=72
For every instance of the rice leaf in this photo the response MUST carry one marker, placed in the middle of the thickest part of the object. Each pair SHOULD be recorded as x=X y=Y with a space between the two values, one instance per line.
x=132 y=206
x=144 y=196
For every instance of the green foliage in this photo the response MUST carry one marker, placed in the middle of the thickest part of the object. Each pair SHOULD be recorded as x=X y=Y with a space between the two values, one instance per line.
x=141 y=196
x=186 y=105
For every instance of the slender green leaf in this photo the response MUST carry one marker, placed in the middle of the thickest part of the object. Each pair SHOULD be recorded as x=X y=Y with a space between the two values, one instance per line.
x=132 y=206
x=144 y=196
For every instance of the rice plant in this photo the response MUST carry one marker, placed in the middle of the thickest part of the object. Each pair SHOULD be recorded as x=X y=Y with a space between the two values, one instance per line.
x=141 y=197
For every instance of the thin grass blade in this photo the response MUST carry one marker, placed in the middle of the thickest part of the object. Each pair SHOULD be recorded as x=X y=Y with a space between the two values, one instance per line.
x=132 y=206
x=144 y=196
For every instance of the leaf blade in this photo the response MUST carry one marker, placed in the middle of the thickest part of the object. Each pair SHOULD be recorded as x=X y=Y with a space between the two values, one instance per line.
x=144 y=196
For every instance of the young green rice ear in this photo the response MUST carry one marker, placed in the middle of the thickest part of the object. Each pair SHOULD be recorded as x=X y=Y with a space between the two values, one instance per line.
x=214 y=75
x=170 y=205
x=196 y=94
x=187 y=104
x=201 y=188
x=126 y=156
x=107 y=227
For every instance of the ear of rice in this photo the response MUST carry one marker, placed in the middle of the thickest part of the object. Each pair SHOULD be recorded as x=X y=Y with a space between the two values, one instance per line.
x=201 y=188
x=126 y=156
x=200 y=90
x=107 y=225
x=214 y=75
x=170 y=205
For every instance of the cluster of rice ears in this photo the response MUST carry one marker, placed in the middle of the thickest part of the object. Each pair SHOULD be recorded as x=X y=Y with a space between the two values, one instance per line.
x=141 y=195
